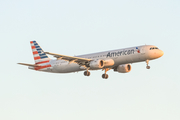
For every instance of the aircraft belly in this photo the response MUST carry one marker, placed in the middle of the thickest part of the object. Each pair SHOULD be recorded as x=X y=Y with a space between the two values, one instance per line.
x=135 y=57
x=123 y=60
x=120 y=60
x=67 y=68
x=129 y=59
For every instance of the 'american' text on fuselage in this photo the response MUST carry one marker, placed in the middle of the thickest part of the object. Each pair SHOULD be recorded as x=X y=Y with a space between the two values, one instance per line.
x=119 y=53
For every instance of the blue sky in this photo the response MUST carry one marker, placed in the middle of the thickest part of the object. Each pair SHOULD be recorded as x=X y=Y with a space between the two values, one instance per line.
x=80 y=27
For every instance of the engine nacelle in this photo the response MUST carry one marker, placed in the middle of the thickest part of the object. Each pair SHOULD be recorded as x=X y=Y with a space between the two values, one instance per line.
x=124 y=68
x=108 y=62
x=96 y=64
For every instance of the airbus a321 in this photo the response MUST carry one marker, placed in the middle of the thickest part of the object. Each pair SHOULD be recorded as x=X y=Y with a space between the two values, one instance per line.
x=119 y=60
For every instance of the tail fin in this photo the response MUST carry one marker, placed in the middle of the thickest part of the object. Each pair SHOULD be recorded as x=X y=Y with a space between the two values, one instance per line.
x=39 y=55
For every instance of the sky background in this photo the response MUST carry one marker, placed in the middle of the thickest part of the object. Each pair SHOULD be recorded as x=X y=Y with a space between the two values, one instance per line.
x=75 y=27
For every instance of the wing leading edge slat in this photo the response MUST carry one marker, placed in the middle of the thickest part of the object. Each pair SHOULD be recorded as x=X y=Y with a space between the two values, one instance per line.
x=78 y=60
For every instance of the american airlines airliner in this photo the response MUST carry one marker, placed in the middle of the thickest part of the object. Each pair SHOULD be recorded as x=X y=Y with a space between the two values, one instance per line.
x=118 y=60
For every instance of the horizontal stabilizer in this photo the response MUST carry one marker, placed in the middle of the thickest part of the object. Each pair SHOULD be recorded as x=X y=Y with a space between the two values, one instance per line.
x=32 y=65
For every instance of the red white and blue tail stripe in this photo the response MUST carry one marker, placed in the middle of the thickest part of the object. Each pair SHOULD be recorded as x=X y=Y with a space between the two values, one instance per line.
x=39 y=56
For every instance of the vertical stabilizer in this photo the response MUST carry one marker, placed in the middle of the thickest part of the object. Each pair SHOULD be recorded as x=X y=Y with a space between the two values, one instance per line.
x=39 y=56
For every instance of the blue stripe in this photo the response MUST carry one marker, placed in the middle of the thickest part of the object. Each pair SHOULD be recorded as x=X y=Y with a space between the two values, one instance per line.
x=42 y=54
x=35 y=44
x=38 y=49
x=43 y=57
x=34 y=41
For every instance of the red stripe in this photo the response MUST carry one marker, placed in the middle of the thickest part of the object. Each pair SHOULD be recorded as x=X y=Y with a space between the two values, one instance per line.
x=36 y=58
x=31 y=41
x=42 y=62
x=33 y=47
x=41 y=67
x=35 y=52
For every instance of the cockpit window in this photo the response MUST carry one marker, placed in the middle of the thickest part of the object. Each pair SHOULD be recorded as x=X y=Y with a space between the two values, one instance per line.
x=153 y=48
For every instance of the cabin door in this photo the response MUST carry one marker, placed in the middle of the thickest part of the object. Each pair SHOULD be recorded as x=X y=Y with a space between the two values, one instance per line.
x=142 y=52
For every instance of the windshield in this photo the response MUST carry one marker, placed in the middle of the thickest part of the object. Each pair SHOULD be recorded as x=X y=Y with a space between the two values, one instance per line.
x=152 y=48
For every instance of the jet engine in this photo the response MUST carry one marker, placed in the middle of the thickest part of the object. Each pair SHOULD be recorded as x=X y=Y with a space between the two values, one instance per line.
x=96 y=64
x=124 y=68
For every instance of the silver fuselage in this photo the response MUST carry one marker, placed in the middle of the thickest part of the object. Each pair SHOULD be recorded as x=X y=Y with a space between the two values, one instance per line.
x=120 y=56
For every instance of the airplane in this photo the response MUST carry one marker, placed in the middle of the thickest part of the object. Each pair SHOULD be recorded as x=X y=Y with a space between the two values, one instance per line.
x=118 y=60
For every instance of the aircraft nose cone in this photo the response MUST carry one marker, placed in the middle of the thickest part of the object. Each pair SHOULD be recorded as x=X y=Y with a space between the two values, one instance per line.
x=161 y=53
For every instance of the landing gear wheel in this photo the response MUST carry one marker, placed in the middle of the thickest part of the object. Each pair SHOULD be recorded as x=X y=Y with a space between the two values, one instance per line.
x=148 y=67
x=105 y=76
x=147 y=62
x=87 y=73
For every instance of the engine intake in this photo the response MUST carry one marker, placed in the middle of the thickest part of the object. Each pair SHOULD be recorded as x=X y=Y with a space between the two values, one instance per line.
x=124 y=68
x=96 y=64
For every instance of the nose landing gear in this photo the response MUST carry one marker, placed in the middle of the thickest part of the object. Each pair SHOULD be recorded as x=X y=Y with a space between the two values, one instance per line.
x=147 y=62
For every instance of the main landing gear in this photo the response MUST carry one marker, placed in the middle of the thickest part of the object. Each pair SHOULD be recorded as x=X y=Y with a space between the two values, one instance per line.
x=147 y=62
x=105 y=76
x=87 y=73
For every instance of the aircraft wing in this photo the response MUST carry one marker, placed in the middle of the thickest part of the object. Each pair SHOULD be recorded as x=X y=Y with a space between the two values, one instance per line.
x=33 y=65
x=78 y=60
